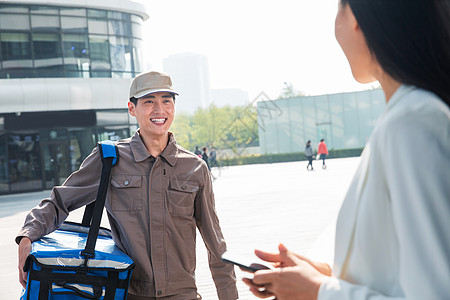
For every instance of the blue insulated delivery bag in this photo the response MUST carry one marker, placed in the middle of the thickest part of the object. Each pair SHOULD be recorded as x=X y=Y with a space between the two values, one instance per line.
x=80 y=261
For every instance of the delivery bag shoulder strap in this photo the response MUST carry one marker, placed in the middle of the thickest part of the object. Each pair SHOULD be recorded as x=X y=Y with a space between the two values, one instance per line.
x=93 y=213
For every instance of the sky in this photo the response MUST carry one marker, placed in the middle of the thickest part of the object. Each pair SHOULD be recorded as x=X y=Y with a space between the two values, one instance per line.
x=256 y=46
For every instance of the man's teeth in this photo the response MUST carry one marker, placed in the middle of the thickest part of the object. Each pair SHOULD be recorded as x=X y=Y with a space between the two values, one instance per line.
x=158 y=120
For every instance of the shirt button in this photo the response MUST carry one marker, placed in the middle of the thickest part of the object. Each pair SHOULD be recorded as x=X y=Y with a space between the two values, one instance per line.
x=159 y=293
x=126 y=182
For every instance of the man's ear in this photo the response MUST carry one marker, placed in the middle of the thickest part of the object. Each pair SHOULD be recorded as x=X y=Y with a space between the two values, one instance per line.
x=131 y=108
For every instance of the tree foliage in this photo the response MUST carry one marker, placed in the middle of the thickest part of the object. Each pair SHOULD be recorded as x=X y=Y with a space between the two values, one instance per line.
x=290 y=92
x=224 y=128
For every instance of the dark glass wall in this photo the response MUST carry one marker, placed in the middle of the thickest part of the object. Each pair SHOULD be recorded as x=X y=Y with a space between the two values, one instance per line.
x=40 y=150
x=50 y=41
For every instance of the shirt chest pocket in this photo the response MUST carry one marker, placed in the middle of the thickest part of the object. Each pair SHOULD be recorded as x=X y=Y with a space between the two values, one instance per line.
x=181 y=196
x=126 y=192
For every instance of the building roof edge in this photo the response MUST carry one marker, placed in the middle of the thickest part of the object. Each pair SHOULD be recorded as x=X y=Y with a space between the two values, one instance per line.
x=127 y=6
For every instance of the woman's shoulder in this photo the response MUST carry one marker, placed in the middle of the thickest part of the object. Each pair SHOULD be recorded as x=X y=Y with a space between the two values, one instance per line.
x=417 y=114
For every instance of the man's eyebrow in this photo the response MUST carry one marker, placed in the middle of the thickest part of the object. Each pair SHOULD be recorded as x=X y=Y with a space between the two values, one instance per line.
x=167 y=96
x=148 y=96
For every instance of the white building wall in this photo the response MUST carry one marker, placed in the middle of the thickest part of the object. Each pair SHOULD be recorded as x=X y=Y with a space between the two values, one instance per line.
x=59 y=94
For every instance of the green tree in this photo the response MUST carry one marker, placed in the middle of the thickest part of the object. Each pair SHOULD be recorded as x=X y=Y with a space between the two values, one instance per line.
x=289 y=91
x=224 y=128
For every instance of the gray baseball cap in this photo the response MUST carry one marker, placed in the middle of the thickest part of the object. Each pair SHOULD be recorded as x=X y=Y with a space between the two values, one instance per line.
x=150 y=82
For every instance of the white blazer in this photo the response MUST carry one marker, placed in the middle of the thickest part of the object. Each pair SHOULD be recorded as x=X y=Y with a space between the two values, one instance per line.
x=393 y=230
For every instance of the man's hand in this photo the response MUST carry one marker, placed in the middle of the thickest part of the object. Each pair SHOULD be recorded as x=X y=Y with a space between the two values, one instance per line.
x=24 y=251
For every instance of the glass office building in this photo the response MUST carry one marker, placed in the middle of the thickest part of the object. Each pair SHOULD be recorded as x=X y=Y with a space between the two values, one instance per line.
x=65 y=71
x=344 y=120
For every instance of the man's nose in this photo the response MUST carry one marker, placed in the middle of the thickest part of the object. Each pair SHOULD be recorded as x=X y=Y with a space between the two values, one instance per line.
x=158 y=106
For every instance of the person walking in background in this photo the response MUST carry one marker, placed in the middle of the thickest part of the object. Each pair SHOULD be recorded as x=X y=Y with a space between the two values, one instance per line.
x=160 y=193
x=198 y=152
x=309 y=155
x=323 y=152
x=205 y=157
x=213 y=158
x=392 y=235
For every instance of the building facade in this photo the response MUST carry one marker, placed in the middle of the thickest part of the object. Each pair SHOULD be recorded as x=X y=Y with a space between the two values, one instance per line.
x=190 y=74
x=344 y=120
x=65 y=71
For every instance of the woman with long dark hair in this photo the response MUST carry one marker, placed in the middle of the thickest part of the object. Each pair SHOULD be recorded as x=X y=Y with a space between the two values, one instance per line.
x=393 y=230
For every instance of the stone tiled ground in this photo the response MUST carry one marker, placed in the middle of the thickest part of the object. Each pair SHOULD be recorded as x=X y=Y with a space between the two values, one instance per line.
x=258 y=206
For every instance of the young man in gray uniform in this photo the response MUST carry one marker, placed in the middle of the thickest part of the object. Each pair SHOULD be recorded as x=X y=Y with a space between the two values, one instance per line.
x=158 y=195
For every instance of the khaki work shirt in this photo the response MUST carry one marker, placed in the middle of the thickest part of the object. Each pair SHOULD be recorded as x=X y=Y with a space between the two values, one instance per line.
x=154 y=206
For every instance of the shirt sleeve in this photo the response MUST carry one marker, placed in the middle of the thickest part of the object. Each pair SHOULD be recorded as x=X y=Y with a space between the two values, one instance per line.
x=79 y=189
x=208 y=225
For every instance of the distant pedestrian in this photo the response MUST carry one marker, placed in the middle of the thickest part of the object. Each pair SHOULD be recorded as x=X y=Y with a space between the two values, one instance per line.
x=309 y=155
x=213 y=158
x=205 y=157
x=198 y=152
x=323 y=152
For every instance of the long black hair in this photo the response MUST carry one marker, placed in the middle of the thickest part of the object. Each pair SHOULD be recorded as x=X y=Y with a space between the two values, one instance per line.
x=410 y=40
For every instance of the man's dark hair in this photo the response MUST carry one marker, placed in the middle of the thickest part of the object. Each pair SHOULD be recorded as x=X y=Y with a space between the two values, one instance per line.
x=135 y=100
x=410 y=40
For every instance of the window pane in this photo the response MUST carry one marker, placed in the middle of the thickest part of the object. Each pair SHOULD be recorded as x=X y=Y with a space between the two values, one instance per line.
x=136 y=19
x=45 y=10
x=137 y=30
x=76 y=74
x=13 y=9
x=113 y=133
x=76 y=55
x=101 y=74
x=137 y=55
x=44 y=22
x=73 y=11
x=120 y=52
x=24 y=161
x=121 y=75
x=14 y=22
x=75 y=45
x=115 y=15
x=98 y=26
x=119 y=28
x=73 y=24
x=15 y=46
x=105 y=118
x=17 y=73
x=46 y=45
x=50 y=71
x=99 y=45
x=97 y=13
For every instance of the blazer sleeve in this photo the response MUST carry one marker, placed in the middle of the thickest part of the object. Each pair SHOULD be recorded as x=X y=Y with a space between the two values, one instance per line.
x=79 y=189
x=419 y=189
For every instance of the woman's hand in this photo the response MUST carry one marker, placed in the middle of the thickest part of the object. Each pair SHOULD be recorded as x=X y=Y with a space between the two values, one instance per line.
x=295 y=277
x=24 y=251
x=287 y=258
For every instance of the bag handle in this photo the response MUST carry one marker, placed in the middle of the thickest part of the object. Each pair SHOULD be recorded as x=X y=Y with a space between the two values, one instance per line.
x=93 y=213
x=97 y=292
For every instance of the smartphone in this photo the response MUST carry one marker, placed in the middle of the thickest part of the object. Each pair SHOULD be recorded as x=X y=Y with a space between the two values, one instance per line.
x=244 y=264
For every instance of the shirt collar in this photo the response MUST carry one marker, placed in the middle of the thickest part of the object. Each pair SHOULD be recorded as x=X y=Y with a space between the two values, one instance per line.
x=140 y=152
x=396 y=98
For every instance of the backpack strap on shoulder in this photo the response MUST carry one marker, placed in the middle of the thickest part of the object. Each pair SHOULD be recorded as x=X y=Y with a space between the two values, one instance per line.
x=93 y=212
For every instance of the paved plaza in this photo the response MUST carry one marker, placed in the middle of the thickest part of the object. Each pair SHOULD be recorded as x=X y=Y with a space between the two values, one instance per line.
x=258 y=206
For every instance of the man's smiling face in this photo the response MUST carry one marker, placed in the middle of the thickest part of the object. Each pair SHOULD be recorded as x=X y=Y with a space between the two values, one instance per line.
x=154 y=113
